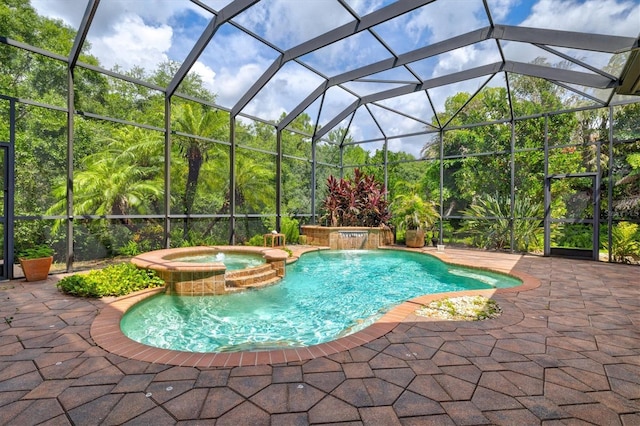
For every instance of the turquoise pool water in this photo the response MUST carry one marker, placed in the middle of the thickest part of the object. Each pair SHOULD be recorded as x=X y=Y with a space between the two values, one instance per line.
x=232 y=261
x=325 y=295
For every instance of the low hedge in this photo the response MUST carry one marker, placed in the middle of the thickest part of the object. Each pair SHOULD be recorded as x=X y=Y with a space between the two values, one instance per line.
x=114 y=280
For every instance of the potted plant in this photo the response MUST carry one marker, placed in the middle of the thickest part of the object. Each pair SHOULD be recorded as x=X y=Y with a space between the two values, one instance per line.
x=36 y=262
x=413 y=214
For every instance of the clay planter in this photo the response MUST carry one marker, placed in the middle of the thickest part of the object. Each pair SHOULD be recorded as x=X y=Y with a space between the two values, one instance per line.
x=36 y=269
x=414 y=238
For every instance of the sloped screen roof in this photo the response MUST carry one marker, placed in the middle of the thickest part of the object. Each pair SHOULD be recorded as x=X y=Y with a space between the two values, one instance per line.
x=380 y=68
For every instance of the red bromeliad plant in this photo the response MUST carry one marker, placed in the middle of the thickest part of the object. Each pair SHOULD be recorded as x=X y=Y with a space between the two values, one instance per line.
x=357 y=202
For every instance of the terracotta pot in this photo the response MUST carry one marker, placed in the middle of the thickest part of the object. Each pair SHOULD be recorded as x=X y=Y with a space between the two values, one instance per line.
x=414 y=238
x=36 y=269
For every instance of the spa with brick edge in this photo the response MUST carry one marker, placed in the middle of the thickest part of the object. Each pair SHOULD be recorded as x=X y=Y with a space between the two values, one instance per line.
x=186 y=278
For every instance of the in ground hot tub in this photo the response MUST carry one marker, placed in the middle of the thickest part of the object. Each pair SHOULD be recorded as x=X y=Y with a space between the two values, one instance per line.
x=199 y=271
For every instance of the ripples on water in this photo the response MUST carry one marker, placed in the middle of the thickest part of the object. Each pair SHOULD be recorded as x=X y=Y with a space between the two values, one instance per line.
x=325 y=295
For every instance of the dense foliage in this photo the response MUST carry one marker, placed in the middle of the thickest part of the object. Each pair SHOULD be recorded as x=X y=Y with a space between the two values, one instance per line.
x=360 y=201
x=410 y=211
x=625 y=242
x=119 y=167
x=114 y=280
x=35 y=252
x=488 y=222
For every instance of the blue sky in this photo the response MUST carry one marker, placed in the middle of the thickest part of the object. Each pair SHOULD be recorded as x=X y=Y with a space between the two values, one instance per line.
x=138 y=32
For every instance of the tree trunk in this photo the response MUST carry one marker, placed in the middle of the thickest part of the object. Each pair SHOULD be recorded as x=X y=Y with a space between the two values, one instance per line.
x=194 y=156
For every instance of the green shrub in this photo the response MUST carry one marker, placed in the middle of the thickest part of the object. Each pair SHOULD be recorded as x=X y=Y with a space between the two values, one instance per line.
x=36 y=252
x=256 y=240
x=289 y=226
x=291 y=229
x=129 y=249
x=625 y=238
x=114 y=280
x=572 y=235
x=487 y=222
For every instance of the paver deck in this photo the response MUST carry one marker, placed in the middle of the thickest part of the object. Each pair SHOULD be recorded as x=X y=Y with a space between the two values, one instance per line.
x=564 y=352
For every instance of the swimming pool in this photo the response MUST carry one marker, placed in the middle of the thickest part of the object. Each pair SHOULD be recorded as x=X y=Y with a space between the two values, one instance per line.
x=325 y=295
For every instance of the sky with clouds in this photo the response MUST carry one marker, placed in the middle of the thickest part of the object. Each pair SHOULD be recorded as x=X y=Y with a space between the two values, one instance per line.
x=144 y=33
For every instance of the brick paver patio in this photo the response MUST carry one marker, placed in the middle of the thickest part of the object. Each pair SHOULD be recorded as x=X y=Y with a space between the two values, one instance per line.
x=565 y=352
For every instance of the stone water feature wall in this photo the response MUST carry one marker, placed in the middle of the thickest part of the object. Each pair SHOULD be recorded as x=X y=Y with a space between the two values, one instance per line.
x=347 y=238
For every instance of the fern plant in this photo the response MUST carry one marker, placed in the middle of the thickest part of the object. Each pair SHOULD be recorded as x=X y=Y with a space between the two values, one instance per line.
x=290 y=228
x=625 y=240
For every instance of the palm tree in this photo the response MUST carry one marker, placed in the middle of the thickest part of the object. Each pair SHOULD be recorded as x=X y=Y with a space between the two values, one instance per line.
x=412 y=213
x=254 y=189
x=196 y=121
x=124 y=178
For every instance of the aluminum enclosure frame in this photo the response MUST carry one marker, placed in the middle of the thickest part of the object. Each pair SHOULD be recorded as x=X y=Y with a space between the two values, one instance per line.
x=543 y=38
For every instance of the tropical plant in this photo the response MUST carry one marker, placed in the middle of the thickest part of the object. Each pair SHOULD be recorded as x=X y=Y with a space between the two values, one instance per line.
x=205 y=123
x=411 y=212
x=254 y=191
x=488 y=221
x=35 y=252
x=256 y=241
x=114 y=280
x=356 y=202
x=123 y=178
x=290 y=228
x=625 y=239
x=629 y=202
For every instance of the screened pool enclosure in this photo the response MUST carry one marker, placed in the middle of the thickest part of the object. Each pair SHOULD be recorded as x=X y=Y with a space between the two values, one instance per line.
x=127 y=126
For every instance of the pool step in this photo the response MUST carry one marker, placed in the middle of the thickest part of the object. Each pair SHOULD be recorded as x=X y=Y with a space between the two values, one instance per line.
x=253 y=277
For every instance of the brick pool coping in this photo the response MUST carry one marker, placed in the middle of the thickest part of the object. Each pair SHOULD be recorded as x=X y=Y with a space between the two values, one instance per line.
x=168 y=259
x=106 y=332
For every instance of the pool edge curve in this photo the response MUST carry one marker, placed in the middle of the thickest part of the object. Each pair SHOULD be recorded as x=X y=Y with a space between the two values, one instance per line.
x=106 y=332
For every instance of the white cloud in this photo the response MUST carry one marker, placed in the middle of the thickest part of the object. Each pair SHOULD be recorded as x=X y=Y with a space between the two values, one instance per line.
x=232 y=83
x=207 y=74
x=612 y=17
x=136 y=32
x=500 y=9
x=131 y=43
x=457 y=60
x=593 y=16
x=364 y=7
x=289 y=23
x=445 y=19
x=124 y=32
x=284 y=92
x=412 y=145
x=157 y=12
x=65 y=10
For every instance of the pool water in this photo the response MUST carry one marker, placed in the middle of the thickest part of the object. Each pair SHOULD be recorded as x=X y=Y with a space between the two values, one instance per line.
x=325 y=295
x=232 y=261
